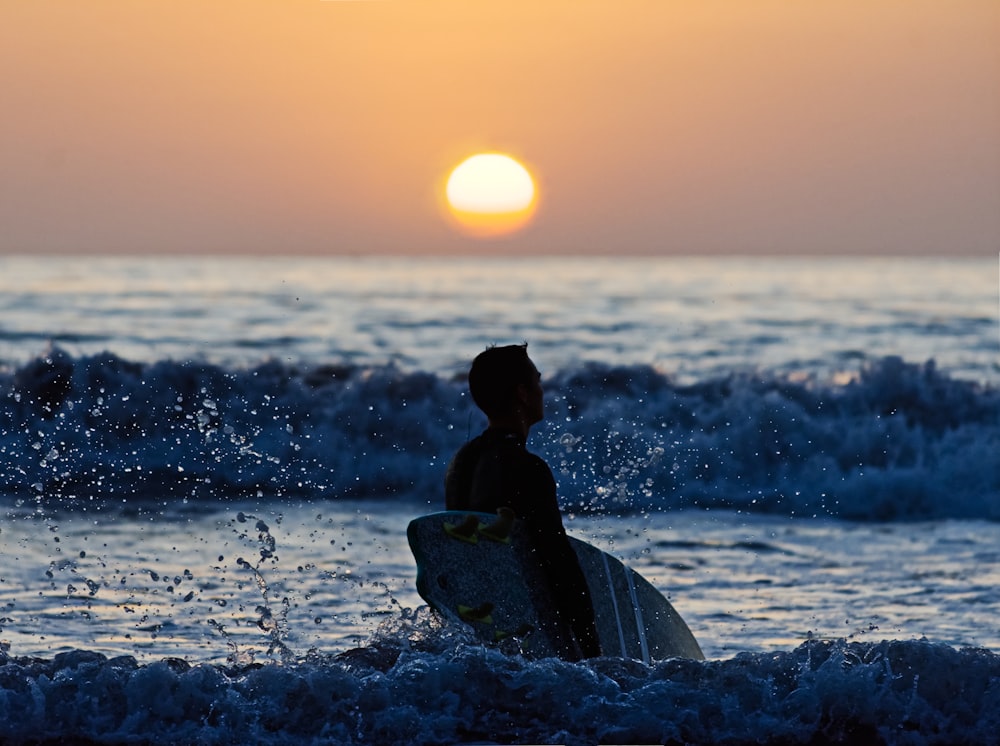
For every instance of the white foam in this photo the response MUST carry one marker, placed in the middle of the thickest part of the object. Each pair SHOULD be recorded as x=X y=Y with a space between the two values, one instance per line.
x=898 y=441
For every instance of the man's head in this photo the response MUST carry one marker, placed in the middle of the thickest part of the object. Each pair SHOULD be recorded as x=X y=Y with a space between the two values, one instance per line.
x=505 y=383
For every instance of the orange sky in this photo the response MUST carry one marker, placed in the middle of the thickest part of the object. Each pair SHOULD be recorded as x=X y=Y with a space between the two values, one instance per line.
x=667 y=126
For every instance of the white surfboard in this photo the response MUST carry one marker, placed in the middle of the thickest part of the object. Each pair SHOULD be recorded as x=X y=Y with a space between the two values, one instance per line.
x=476 y=568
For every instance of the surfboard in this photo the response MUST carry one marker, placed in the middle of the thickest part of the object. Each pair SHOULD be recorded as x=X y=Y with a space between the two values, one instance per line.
x=476 y=569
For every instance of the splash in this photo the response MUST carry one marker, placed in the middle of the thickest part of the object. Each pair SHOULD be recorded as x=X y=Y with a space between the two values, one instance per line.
x=897 y=441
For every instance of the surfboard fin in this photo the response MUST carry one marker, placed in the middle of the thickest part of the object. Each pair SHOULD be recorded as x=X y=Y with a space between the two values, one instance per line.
x=464 y=531
x=499 y=530
x=482 y=614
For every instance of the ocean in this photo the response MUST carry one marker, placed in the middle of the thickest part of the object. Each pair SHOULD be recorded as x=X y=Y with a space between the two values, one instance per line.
x=208 y=466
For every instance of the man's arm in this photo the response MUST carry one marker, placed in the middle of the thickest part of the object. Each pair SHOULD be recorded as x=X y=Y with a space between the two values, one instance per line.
x=559 y=562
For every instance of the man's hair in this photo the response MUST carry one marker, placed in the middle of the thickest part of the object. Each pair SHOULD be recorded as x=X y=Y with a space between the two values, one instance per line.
x=494 y=375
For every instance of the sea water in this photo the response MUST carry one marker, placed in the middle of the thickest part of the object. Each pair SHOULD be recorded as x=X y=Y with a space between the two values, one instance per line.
x=208 y=466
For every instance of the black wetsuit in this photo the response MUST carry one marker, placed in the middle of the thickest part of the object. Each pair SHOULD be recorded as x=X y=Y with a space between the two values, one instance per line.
x=496 y=470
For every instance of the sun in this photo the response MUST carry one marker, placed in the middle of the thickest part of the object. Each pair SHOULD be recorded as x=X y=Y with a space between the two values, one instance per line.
x=491 y=195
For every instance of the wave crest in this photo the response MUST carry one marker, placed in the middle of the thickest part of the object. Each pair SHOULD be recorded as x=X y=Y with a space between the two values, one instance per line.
x=899 y=440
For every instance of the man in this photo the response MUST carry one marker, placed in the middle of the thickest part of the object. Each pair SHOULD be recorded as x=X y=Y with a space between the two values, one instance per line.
x=495 y=470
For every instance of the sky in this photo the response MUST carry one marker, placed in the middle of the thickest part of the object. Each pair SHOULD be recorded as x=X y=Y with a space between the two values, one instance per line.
x=674 y=127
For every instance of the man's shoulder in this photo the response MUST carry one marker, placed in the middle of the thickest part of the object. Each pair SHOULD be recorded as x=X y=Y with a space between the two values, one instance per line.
x=505 y=448
x=469 y=445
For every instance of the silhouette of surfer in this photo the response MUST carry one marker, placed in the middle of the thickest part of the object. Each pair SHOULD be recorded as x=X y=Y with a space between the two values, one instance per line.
x=495 y=470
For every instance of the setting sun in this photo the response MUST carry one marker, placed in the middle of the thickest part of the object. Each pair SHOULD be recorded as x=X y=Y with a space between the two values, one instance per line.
x=490 y=194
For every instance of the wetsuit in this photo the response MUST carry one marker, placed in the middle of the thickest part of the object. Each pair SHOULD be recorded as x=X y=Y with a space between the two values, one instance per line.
x=496 y=470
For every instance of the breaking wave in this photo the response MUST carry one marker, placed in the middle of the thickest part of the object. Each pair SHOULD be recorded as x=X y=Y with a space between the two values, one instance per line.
x=896 y=441
x=400 y=689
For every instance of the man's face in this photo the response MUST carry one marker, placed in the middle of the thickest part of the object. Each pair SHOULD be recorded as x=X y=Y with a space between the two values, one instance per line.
x=532 y=397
